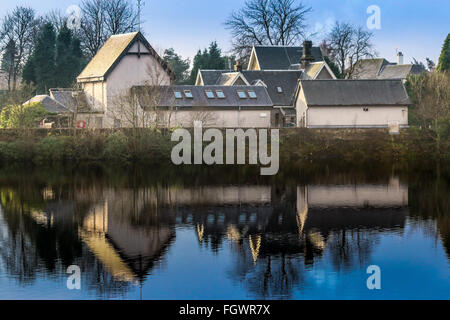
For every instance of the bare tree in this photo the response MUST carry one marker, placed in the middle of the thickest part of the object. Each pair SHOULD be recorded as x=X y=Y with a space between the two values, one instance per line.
x=103 y=18
x=267 y=22
x=21 y=28
x=349 y=44
x=430 y=94
x=120 y=17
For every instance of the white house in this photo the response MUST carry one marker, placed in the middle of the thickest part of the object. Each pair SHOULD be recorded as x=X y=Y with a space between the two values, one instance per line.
x=124 y=61
x=352 y=104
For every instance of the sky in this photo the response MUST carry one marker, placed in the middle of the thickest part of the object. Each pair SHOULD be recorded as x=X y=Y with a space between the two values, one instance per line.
x=417 y=28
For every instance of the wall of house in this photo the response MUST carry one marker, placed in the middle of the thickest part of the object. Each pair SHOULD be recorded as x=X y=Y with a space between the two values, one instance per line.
x=96 y=93
x=324 y=75
x=220 y=118
x=131 y=71
x=355 y=116
x=300 y=106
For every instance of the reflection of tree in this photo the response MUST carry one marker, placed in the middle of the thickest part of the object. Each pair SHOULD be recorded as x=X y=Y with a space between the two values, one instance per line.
x=430 y=199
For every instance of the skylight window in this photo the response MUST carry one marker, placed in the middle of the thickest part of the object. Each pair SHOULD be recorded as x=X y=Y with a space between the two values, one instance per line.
x=280 y=89
x=252 y=94
x=178 y=95
x=220 y=94
x=242 y=94
x=210 y=94
x=188 y=94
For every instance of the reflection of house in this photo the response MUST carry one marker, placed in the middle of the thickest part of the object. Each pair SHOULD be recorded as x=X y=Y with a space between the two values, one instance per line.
x=126 y=251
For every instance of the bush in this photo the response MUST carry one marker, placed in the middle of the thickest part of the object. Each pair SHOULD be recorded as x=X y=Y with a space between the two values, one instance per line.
x=116 y=147
x=51 y=148
x=22 y=116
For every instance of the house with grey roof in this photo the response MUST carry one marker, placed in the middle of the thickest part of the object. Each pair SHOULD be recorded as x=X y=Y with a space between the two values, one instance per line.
x=216 y=106
x=58 y=114
x=281 y=57
x=271 y=70
x=352 y=104
x=124 y=61
x=379 y=68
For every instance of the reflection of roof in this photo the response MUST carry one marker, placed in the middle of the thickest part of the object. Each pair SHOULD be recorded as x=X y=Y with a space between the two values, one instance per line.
x=282 y=57
x=111 y=53
x=163 y=96
x=285 y=79
x=354 y=92
x=49 y=104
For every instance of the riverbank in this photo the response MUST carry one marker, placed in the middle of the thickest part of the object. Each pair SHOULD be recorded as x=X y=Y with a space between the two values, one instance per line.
x=153 y=147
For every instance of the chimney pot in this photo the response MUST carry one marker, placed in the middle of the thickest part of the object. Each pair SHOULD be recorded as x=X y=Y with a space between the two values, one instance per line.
x=399 y=58
x=238 y=66
x=307 y=56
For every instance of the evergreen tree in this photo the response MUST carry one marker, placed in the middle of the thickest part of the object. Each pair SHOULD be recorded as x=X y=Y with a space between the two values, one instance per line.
x=65 y=67
x=44 y=59
x=210 y=58
x=333 y=67
x=28 y=72
x=78 y=59
x=8 y=61
x=179 y=66
x=444 y=59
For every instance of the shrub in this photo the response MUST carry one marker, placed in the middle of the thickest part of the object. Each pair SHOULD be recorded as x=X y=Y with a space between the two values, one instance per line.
x=116 y=147
x=51 y=148
x=22 y=116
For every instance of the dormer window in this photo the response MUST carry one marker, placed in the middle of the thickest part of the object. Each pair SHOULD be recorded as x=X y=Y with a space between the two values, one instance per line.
x=252 y=94
x=188 y=94
x=280 y=89
x=178 y=95
x=220 y=94
x=210 y=94
x=242 y=94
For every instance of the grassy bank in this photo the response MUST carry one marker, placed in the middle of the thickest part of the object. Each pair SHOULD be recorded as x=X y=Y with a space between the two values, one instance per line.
x=297 y=146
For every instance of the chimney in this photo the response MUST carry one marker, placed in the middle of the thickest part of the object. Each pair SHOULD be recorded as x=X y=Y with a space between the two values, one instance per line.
x=238 y=66
x=307 y=56
x=399 y=58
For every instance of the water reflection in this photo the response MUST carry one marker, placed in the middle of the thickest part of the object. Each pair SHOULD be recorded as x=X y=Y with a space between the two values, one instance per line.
x=274 y=233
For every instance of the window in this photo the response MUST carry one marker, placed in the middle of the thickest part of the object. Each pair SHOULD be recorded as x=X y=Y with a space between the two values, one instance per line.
x=252 y=94
x=188 y=94
x=279 y=89
x=178 y=95
x=210 y=94
x=242 y=94
x=220 y=94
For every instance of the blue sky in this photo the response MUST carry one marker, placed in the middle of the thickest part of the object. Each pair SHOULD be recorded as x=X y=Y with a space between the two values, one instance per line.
x=418 y=28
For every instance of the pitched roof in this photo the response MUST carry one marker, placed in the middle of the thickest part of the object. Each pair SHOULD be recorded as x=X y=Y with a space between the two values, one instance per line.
x=282 y=57
x=164 y=96
x=286 y=79
x=49 y=104
x=75 y=101
x=369 y=68
x=354 y=92
x=382 y=69
x=396 y=71
x=112 y=52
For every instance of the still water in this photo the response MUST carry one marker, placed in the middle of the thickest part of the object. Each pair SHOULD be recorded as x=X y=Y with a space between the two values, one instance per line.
x=154 y=234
